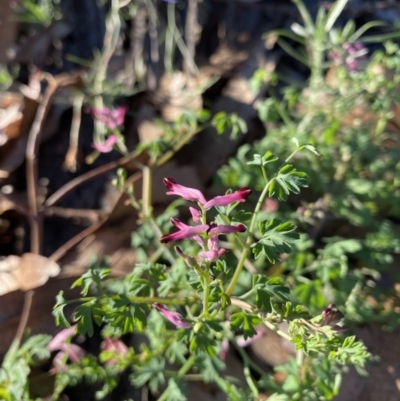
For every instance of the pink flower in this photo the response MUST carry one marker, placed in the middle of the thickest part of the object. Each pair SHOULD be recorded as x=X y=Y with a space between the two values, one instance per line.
x=61 y=343
x=107 y=146
x=226 y=229
x=224 y=349
x=185 y=232
x=224 y=200
x=196 y=214
x=110 y=118
x=189 y=194
x=174 y=317
x=195 y=195
x=214 y=252
x=189 y=260
x=332 y=316
x=114 y=345
x=61 y=338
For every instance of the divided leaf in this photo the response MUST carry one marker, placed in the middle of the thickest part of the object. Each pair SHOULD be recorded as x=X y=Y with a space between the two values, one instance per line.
x=277 y=238
x=246 y=322
x=267 y=288
x=287 y=180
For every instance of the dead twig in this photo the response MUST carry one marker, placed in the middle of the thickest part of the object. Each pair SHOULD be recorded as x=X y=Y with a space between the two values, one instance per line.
x=76 y=182
x=60 y=252
x=35 y=219
x=71 y=162
x=89 y=215
x=24 y=316
x=190 y=38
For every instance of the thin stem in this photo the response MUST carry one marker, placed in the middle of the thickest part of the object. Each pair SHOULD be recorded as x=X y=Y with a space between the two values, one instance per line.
x=24 y=316
x=190 y=36
x=277 y=331
x=299 y=358
x=70 y=162
x=153 y=31
x=206 y=288
x=78 y=181
x=246 y=249
x=147 y=186
x=248 y=360
x=291 y=155
x=183 y=49
x=32 y=149
x=135 y=65
x=137 y=300
x=169 y=38
x=247 y=373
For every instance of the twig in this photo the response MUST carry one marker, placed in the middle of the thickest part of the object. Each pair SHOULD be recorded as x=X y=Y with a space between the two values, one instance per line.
x=63 y=249
x=190 y=37
x=153 y=31
x=90 y=215
x=24 y=316
x=60 y=252
x=135 y=65
x=76 y=182
x=70 y=162
x=32 y=148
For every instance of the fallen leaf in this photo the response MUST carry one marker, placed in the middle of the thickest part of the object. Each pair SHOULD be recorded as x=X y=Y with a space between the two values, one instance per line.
x=26 y=272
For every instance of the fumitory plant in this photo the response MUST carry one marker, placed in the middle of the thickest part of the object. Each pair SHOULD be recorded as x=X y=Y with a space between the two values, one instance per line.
x=208 y=297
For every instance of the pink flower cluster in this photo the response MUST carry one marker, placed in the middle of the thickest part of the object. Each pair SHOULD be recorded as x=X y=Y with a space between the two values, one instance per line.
x=61 y=343
x=350 y=56
x=206 y=235
x=211 y=250
x=112 y=119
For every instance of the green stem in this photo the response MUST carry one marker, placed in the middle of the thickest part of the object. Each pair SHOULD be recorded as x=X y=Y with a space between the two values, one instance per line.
x=246 y=249
x=181 y=372
x=148 y=211
x=138 y=300
x=277 y=331
x=247 y=373
x=206 y=288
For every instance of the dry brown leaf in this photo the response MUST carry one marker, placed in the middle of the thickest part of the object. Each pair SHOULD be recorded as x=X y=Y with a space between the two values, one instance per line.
x=26 y=272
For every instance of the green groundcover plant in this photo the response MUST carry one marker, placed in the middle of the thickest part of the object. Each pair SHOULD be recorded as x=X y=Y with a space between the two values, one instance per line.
x=301 y=246
x=191 y=310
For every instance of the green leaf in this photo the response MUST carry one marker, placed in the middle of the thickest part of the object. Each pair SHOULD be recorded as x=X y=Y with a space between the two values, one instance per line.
x=83 y=315
x=152 y=372
x=246 y=322
x=58 y=310
x=277 y=238
x=287 y=180
x=242 y=216
x=267 y=288
x=310 y=294
x=203 y=343
x=311 y=149
x=94 y=275
x=224 y=122
x=176 y=390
